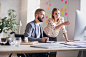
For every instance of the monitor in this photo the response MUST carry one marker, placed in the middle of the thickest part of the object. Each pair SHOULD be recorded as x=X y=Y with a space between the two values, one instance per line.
x=80 y=26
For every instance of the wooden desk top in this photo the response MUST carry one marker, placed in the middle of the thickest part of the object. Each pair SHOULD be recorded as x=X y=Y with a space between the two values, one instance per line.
x=28 y=49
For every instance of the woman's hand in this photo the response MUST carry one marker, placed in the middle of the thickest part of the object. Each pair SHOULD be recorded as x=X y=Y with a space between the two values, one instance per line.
x=69 y=40
x=66 y=23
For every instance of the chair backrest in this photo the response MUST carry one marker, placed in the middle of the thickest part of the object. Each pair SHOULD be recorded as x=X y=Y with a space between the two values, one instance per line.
x=20 y=35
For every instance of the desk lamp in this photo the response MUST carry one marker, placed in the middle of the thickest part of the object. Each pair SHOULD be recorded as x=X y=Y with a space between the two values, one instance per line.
x=20 y=24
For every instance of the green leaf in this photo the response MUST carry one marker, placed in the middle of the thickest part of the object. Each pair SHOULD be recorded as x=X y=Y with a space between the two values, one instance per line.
x=9 y=22
x=1 y=29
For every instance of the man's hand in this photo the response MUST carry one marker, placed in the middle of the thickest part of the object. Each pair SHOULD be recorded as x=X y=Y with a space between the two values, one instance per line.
x=66 y=23
x=43 y=39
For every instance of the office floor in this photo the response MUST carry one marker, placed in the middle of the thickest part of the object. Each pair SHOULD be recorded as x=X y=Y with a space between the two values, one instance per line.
x=59 y=54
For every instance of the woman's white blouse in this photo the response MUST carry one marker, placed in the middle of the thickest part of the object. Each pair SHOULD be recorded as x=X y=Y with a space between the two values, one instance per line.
x=50 y=28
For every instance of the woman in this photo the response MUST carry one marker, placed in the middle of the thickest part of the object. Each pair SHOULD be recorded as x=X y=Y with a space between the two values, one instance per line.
x=54 y=25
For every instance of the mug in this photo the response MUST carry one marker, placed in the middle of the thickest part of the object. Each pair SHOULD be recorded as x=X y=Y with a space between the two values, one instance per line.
x=17 y=41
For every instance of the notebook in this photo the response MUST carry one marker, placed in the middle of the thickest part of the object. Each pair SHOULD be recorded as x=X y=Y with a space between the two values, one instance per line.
x=29 y=43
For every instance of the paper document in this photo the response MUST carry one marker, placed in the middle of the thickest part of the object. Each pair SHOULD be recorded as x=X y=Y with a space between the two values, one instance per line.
x=80 y=41
x=75 y=45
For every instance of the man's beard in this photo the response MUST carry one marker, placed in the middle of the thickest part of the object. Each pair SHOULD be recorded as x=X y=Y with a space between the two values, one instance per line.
x=40 y=19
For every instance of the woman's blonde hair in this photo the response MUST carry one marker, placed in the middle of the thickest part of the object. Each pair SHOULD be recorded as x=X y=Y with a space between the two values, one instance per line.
x=52 y=17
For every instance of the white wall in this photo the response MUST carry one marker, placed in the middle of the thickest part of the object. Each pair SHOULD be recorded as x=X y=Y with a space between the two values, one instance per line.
x=73 y=5
x=23 y=15
x=0 y=11
x=83 y=6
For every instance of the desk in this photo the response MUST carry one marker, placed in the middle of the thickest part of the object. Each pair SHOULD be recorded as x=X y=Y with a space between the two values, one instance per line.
x=28 y=49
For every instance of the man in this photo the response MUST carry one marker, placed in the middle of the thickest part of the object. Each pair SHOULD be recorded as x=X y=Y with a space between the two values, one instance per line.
x=34 y=30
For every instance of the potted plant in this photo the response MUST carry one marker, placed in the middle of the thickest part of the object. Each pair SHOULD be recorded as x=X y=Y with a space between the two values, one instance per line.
x=8 y=24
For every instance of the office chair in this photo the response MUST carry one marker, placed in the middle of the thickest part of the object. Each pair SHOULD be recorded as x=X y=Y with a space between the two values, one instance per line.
x=18 y=35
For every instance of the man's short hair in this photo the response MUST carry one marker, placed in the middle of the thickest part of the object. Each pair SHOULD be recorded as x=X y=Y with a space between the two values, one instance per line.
x=38 y=11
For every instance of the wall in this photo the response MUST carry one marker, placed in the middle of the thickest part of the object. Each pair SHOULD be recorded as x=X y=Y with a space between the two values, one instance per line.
x=9 y=4
x=23 y=15
x=73 y=5
x=83 y=6
x=0 y=11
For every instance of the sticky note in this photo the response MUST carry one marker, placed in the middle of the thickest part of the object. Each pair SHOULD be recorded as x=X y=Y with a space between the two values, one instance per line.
x=46 y=21
x=61 y=9
x=61 y=0
x=48 y=8
x=46 y=12
x=46 y=3
x=65 y=10
x=64 y=6
x=50 y=13
x=62 y=13
x=65 y=2
x=50 y=4
x=49 y=1
x=46 y=16
x=65 y=13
